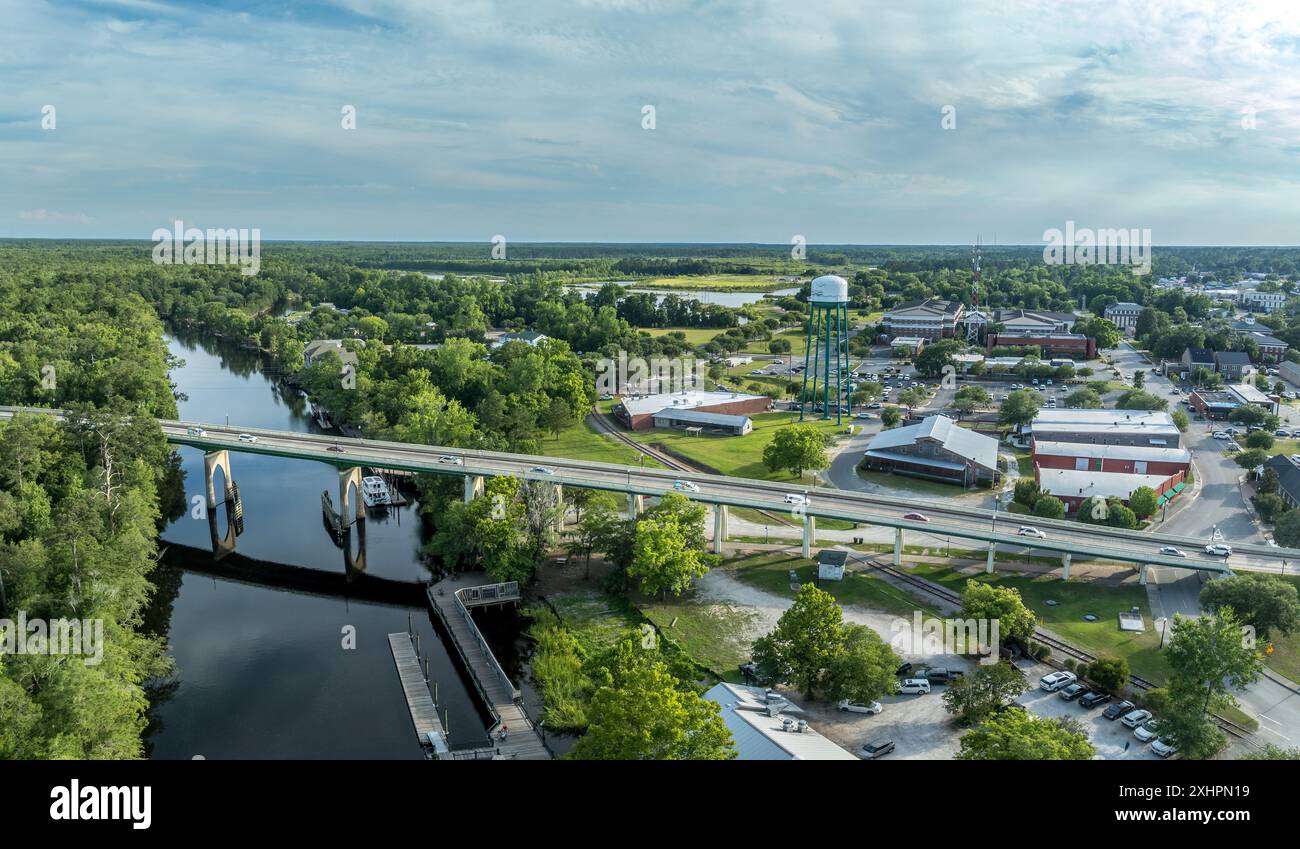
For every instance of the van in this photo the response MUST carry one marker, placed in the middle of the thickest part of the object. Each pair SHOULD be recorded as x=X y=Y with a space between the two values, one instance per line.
x=917 y=686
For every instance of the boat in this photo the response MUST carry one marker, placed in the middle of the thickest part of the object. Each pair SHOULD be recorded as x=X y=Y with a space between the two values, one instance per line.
x=374 y=492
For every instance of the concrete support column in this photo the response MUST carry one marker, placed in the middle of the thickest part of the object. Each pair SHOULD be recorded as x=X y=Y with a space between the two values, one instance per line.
x=635 y=504
x=350 y=511
x=473 y=487
x=1142 y=574
x=559 y=499
x=1065 y=566
x=898 y=546
x=809 y=534
x=726 y=521
x=211 y=462
x=719 y=527
x=988 y=567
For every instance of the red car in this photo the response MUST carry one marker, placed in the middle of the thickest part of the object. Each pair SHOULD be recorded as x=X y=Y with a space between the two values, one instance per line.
x=916 y=517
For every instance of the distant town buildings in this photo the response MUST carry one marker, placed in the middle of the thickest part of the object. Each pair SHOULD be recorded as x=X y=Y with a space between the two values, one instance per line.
x=1106 y=427
x=1123 y=315
x=930 y=319
x=1266 y=301
x=1219 y=404
x=529 y=337
x=1050 y=344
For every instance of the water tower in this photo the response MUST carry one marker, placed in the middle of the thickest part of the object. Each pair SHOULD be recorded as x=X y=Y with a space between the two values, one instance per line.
x=826 y=356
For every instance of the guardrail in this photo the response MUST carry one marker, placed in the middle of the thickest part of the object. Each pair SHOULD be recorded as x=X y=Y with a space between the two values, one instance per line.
x=493 y=663
x=489 y=594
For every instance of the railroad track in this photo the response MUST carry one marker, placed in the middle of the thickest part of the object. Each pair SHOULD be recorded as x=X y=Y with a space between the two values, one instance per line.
x=1056 y=644
x=603 y=425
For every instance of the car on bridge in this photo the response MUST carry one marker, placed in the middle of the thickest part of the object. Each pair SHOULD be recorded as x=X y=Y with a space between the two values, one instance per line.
x=451 y=460
x=336 y=448
x=916 y=517
x=1218 y=549
x=686 y=486
x=1172 y=551
x=541 y=470
x=795 y=498
x=247 y=437
x=1030 y=531
x=195 y=431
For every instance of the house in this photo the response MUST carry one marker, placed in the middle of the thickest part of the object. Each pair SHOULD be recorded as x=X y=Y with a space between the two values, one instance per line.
x=1232 y=364
x=1266 y=301
x=1153 y=428
x=1220 y=404
x=767 y=727
x=830 y=564
x=930 y=319
x=1194 y=358
x=1050 y=343
x=1123 y=315
x=1270 y=347
x=530 y=337
x=640 y=412
x=1074 y=487
x=1118 y=459
x=1288 y=478
x=938 y=449
x=317 y=348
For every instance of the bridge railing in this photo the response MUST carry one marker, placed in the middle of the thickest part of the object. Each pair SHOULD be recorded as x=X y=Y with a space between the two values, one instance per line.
x=490 y=594
x=494 y=665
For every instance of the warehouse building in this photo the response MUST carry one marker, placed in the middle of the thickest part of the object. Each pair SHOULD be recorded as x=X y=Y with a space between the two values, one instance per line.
x=699 y=421
x=1074 y=487
x=639 y=412
x=1153 y=428
x=1117 y=459
x=1050 y=344
x=938 y=449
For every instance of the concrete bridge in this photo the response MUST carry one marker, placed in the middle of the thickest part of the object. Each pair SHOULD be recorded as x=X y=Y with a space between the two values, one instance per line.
x=1068 y=539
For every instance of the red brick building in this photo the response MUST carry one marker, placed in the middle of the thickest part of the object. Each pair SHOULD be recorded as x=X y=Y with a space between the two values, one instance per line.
x=638 y=413
x=1074 y=345
x=1117 y=459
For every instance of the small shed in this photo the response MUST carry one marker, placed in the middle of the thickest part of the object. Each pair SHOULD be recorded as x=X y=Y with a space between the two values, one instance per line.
x=830 y=565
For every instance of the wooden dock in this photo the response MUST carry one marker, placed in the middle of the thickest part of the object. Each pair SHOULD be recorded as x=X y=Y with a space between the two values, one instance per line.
x=523 y=740
x=424 y=713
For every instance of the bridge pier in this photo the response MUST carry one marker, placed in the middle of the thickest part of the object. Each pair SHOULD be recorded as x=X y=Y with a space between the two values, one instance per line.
x=898 y=546
x=809 y=534
x=211 y=462
x=559 y=500
x=1142 y=574
x=635 y=505
x=988 y=567
x=473 y=487
x=350 y=511
x=1065 y=566
x=719 y=527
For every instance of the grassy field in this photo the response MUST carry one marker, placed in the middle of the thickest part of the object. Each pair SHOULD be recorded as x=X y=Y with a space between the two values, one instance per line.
x=770 y=572
x=712 y=633
x=930 y=489
x=741 y=456
x=694 y=335
x=1074 y=600
x=1285 y=659
x=721 y=282
x=580 y=442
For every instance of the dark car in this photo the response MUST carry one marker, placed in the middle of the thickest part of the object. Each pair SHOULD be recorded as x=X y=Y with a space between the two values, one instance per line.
x=336 y=449
x=905 y=669
x=941 y=675
x=1073 y=692
x=1091 y=700
x=874 y=750
x=1118 y=709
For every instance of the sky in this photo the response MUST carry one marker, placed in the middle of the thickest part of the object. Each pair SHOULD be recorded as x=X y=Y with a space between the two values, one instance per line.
x=772 y=119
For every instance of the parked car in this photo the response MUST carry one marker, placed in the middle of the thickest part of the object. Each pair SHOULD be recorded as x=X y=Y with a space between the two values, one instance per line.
x=1219 y=434
x=1146 y=733
x=874 y=405
x=905 y=669
x=1164 y=747
x=872 y=708
x=451 y=460
x=1091 y=700
x=686 y=486
x=1056 y=680
x=916 y=517
x=917 y=686
x=1118 y=709
x=871 y=751
x=1218 y=549
x=541 y=470
x=942 y=675
x=1135 y=718
x=1172 y=551
x=1028 y=531
x=247 y=437
x=1072 y=692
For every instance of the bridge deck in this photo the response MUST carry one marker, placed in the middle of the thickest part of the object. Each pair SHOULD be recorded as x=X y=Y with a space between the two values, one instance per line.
x=424 y=713
x=523 y=740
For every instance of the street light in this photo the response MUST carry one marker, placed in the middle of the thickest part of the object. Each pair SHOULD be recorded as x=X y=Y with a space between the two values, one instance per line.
x=1164 y=623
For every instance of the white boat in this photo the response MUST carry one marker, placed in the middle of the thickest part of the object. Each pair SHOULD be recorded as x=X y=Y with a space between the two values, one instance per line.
x=374 y=492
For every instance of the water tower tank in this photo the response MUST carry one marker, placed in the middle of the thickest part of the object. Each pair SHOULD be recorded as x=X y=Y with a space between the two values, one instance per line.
x=829 y=289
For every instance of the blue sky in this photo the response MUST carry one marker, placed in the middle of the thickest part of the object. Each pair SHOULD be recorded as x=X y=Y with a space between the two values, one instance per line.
x=821 y=119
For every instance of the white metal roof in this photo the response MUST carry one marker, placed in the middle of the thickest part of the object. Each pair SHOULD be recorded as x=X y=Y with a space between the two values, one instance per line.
x=681 y=400
x=1113 y=452
x=761 y=737
x=982 y=449
x=701 y=417
x=1068 y=482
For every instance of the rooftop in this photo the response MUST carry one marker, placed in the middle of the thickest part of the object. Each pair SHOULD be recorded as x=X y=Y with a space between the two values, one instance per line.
x=760 y=737
x=646 y=404
x=1075 y=484
x=981 y=449
x=1113 y=452
x=1155 y=420
x=701 y=417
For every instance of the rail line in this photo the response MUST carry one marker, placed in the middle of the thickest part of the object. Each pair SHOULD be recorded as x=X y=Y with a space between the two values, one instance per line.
x=1055 y=643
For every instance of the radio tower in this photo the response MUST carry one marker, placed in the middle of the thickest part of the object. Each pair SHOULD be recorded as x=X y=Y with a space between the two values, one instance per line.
x=972 y=328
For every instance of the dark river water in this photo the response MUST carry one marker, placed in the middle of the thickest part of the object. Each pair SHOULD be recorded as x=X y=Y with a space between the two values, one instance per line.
x=262 y=671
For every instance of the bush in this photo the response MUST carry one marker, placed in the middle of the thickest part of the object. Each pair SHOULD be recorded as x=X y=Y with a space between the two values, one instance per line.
x=1269 y=505
x=1027 y=492
x=1049 y=507
x=1070 y=664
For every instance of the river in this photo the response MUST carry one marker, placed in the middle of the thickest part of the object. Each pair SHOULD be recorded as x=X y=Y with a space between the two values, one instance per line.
x=261 y=671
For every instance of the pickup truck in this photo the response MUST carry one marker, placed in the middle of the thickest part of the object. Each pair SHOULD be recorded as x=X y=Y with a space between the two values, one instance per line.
x=942 y=675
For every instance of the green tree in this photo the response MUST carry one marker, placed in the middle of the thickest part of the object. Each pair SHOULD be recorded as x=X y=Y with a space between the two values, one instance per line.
x=795 y=448
x=1210 y=657
x=668 y=550
x=1286 y=528
x=1019 y=409
x=890 y=416
x=863 y=668
x=1251 y=459
x=806 y=642
x=1266 y=602
x=970 y=398
x=913 y=397
x=984 y=601
x=1271 y=752
x=1142 y=501
x=1180 y=420
x=1017 y=735
x=1026 y=492
x=1109 y=673
x=974 y=697
x=936 y=356
x=1049 y=507
x=1084 y=399
x=1269 y=505
x=866 y=392
x=1260 y=439
x=1137 y=400
x=641 y=711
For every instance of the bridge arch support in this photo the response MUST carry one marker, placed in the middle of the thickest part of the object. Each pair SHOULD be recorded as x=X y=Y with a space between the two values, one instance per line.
x=212 y=461
x=351 y=506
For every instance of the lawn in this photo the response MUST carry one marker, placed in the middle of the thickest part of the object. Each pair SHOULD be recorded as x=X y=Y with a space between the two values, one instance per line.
x=720 y=282
x=770 y=572
x=580 y=442
x=1075 y=599
x=1285 y=659
x=694 y=335
x=596 y=618
x=740 y=456
x=712 y=633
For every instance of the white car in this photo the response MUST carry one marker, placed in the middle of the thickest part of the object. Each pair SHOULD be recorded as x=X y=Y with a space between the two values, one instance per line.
x=247 y=437
x=451 y=460
x=1164 y=747
x=793 y=498
x=1056 y=680
x=1295 y=458
x=916 y=686
x=1027 y=531
x=685 y=486
x=196 y=431
x=1172 y=552
x=1218 y=549
x=872 y=708
x=1146 y=733
x=541 y=470
x=1218 y=434
x=1135 y=718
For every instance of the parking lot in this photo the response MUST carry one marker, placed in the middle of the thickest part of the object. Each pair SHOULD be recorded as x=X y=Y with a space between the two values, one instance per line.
x=1108 y=736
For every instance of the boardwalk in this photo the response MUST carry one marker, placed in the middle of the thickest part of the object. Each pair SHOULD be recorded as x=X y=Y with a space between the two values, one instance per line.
x=424 y=713
x=523 y=741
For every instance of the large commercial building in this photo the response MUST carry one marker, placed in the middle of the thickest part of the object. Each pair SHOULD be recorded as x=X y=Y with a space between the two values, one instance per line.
x=1266 y=301
x=937 y=448
x=1106 y=427
x=1050 y=344
x=1074 y=487
x=1123 y=315
x=1111 y=459
x=642 y=412
x=930 y=319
